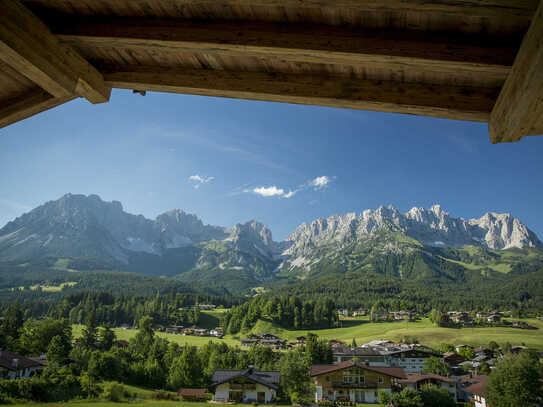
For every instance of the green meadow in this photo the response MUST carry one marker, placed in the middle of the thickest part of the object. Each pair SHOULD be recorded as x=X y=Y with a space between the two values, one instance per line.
x=144 y=403
x=427 y=334
x=364 y=331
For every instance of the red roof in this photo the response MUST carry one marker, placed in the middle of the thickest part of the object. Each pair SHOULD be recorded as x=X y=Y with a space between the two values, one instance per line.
x=479 y=387
x=192 y=392
x=317 y=370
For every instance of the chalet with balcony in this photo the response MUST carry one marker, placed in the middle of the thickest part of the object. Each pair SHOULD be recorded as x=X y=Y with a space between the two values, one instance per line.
x=416 y=381
x=249 y=385
x=353 y=381
x=410 y=359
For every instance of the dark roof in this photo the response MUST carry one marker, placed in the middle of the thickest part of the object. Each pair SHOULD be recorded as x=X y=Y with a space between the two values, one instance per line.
x=359 y=351
x=7 y=361
x=419 y=351
x=317 y=370
x=270 y=379
x=191 y=392
x=417 y=377
x=479 y=387
x=40 y=360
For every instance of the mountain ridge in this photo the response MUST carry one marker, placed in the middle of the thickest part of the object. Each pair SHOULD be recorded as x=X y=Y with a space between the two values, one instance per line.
x=179 y=244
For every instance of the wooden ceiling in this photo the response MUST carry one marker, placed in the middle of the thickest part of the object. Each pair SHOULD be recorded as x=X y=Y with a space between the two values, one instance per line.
x=478 y=60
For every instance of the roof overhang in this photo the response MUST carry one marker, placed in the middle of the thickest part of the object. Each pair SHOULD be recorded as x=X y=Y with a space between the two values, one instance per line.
x=469 y=60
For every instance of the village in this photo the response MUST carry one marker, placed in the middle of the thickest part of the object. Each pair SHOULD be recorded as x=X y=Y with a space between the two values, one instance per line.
x=450 y=318
x=366 y=373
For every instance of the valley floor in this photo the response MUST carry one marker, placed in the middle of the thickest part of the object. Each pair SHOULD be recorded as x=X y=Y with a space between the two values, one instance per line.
x=364 y=331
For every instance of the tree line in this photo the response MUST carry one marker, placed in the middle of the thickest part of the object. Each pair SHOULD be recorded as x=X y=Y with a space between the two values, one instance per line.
x=288 y=312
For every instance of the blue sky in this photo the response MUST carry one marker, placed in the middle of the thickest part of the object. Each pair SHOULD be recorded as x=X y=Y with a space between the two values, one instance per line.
x=230 y=161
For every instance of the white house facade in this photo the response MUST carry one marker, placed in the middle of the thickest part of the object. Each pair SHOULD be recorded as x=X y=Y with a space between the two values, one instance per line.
x=248 y=385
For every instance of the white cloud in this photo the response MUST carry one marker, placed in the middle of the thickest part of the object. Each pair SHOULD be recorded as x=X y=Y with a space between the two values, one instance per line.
x=200 y=180
x=269 y=191
x=290 y=194
x=320 y=182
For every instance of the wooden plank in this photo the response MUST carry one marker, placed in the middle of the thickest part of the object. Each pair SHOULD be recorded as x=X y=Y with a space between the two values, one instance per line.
x=461 y=8
x=32 y=103
x=27 y=45
x=519 y=107
x=398 y=51
x=459 y=103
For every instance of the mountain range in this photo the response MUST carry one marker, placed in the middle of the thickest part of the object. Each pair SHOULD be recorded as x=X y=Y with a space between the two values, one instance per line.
x=87 y=233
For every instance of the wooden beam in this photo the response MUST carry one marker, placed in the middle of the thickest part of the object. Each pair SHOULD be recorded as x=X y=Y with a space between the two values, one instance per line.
x=399 y=51
x=27 y=105
x=27 y=45
x=462 y=8
x=459 y=103
x=519 y=107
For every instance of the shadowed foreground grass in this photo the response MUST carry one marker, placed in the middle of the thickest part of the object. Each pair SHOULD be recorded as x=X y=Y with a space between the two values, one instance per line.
x=147 y=403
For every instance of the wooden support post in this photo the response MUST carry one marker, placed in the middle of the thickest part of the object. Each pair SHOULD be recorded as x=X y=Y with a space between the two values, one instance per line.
x=519 y=109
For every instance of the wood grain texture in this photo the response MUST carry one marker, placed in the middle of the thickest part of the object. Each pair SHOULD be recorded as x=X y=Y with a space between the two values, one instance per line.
x=501 y=17
x=519 y=108
x=401 y=51
x=27 y=45
x=388 y=96
x=25 y=106
x=482 y=8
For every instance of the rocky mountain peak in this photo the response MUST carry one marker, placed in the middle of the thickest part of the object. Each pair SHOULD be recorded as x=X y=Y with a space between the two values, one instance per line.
x=433 y=226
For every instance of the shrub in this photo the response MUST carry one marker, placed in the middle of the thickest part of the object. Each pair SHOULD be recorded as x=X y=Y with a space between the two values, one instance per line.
x=384 y=398
x=164 y=396
x=113 y=392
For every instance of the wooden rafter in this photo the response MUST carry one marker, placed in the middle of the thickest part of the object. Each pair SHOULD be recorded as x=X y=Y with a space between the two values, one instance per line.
x=399 y=51
x=460 y=103
x=519 y=109
x=463 y=8
x=27 y=45
x=27 y=105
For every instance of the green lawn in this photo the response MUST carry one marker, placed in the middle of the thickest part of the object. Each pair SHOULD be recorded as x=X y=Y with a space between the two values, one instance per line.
x=143 y=403
x=423 y=330
x=364 y=331
x=146 y=403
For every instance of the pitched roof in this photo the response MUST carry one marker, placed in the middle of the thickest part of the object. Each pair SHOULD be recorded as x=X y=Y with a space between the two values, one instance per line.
x=397 y=372
x=417 y=377
x=358 y=351
x=479 y=387
x=14 y=361
x=270 y=379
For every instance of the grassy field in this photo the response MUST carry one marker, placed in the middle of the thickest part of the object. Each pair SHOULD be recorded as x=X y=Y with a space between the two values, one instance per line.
x=146 y=403
x=424 y=331
x=364 y=331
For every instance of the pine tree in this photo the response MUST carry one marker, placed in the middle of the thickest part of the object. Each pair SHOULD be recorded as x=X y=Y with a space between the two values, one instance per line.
x=58 y=349
x=186 y=370
x=107 y=338
x=90 y=332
